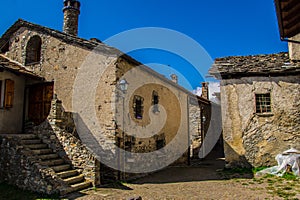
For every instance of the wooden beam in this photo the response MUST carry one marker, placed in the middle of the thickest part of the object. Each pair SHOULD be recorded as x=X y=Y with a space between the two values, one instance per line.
x=292 y=22
x=288 y=5
x=292 y=31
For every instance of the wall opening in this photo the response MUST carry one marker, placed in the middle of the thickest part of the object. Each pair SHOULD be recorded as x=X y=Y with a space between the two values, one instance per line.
x=33 y=50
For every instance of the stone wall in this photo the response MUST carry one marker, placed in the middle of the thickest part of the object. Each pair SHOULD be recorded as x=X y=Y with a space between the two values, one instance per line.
x=253 y=139
x=294 y=48
x=72 y=66
x=17 y=167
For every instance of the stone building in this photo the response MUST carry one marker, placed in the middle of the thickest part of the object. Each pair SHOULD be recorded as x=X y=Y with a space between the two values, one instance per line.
x=260 y=107
x=80 y=124
x=260 y=97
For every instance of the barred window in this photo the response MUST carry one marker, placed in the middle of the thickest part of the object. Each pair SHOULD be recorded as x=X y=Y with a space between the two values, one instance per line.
x=138 y=107
x=263 y=103
x=155 y=101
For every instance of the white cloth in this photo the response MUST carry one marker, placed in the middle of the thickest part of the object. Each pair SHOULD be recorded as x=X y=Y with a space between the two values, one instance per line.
x=290 y=158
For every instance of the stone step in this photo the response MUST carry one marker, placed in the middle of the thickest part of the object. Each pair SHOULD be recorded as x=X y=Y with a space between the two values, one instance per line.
x=67 y=174
x=42 y=151
x=74 y=179
x=36 y=146
x=47 y=156
x=31 y=141
x=21 y=136
x=27 y=136
x=60 y=168
x=52 y=162
x=80 y=186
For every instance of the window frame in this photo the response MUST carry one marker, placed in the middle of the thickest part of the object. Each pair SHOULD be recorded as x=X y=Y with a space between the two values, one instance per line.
x=155 y=102
x=33 y=53
x=263 y=103
x=138 y=107
x=7 y=93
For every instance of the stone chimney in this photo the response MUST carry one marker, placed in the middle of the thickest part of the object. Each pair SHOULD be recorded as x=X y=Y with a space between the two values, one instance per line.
x=71 y=13
x=205 y=93
x=174 y=78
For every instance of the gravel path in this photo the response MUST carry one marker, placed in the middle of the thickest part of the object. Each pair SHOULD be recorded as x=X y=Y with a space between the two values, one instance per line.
x=202 y=180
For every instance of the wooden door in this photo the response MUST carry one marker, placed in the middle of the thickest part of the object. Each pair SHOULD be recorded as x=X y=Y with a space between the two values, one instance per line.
x=40 y=96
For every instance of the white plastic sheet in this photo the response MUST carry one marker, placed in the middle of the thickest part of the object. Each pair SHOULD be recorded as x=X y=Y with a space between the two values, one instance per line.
x=288 y=159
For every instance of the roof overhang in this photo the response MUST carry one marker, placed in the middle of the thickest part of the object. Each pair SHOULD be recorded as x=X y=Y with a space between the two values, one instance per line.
x=288 y=15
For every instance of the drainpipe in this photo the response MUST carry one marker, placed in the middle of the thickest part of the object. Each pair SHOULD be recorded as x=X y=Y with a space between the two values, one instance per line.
x=188 y=129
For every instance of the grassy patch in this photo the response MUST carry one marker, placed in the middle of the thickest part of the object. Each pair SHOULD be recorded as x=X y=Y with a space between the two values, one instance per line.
x=289 y=176
x=285 y=187
x=284 y=194
x=14 y=193
x=257 y=169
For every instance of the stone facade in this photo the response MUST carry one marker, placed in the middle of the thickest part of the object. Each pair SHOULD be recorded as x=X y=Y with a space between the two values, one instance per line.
x=254 y=138
x=90 y=117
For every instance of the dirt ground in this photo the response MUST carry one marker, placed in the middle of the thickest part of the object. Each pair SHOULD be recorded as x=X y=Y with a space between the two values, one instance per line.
x=201 y=180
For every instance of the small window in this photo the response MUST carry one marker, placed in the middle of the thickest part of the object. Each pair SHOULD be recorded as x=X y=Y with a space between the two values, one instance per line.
x=33 y=50
x=9 y=93
x=155 y=101
x=263 y=103
x=138 y=106
x=160 y=144
x=6 y=93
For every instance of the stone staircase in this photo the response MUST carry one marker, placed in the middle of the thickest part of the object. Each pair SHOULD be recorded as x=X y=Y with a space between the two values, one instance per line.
x=46 y=157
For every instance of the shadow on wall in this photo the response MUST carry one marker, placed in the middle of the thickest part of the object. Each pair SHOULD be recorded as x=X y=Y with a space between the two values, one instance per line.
x=233 y=159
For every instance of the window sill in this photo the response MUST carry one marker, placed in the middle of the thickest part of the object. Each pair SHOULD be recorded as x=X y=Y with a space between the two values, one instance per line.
x=32 y=63
x=269 y=114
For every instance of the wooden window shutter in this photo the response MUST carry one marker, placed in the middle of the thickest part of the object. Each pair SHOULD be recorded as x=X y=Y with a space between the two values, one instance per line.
x=1 y=94
x=9 y=93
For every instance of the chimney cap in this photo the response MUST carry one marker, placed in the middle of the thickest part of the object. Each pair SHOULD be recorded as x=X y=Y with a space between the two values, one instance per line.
x=71 y=5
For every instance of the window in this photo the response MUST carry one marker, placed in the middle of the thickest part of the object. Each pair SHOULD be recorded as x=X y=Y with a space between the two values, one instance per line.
x=6 y=93
x=33 y=50
x=263 y=103
x=155 y=101
x=9 y=93
x=138 y=107
x=160 y=144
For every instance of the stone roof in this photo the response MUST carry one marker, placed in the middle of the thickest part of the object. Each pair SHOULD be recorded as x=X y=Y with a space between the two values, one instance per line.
x=67 y=38
x=92 y=44
x=256 y=65
x=17 y=68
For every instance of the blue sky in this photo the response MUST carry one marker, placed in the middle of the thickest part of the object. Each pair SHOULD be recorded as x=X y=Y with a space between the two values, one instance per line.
x=223 y=28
